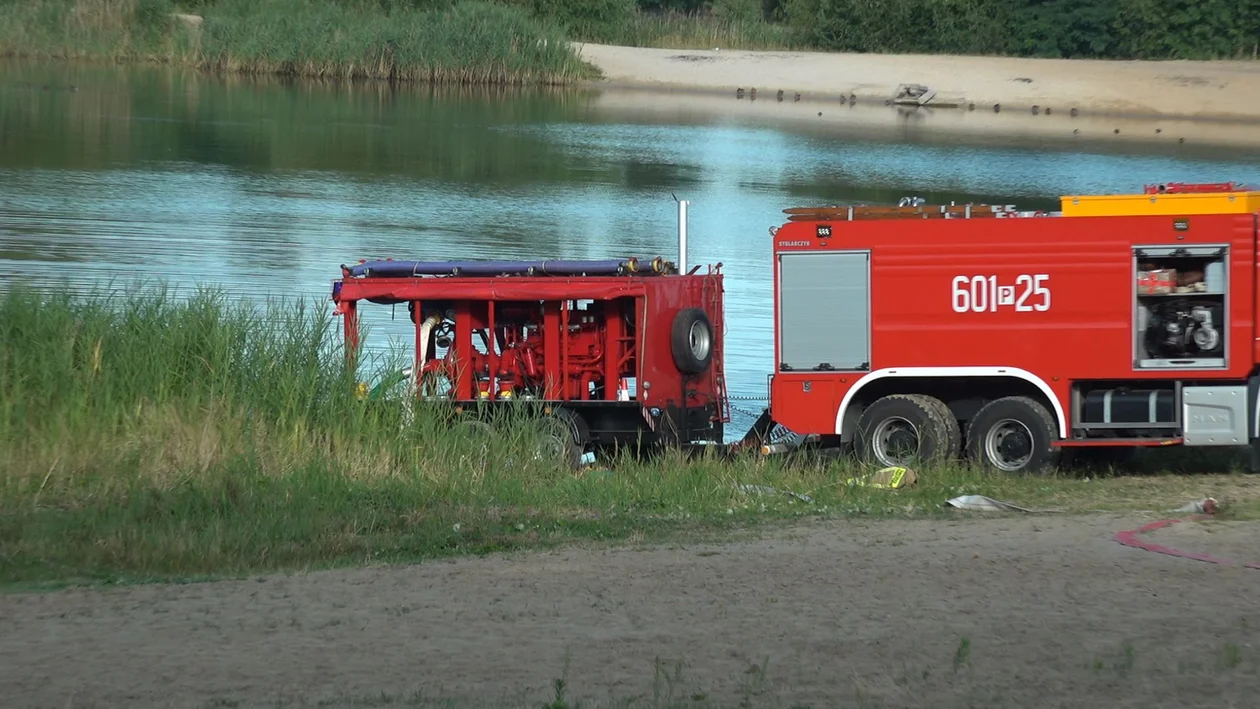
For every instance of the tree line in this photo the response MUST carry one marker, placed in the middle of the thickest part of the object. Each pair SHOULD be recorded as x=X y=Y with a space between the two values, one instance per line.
x=1100 y=29
x=1113 y=29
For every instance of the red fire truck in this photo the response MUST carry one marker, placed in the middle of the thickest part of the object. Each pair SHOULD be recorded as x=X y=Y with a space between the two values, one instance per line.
x=909 y=333
x=1010 y=337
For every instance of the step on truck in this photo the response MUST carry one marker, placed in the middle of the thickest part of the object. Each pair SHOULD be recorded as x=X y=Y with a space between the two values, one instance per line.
x=1013 y=337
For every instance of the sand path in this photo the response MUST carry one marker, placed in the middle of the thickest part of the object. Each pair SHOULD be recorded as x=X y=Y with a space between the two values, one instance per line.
x=1033 y=611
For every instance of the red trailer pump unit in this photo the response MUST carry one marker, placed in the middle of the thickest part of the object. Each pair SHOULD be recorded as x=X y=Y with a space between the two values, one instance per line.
x=1012 y=336
x=570 y=333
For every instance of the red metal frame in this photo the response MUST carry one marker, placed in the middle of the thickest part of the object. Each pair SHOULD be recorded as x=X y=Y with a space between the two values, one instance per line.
x=535 y=322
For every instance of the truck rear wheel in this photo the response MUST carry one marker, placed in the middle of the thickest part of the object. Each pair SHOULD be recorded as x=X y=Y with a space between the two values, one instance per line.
x=901 y=429
x=1014 y=434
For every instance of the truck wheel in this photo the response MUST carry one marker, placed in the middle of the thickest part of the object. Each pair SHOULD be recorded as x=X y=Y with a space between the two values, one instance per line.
x=901 y=429
x=1013 y=434
x=953 y=429
x=692 y=341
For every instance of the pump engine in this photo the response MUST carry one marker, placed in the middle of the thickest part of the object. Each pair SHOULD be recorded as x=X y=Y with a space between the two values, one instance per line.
x=1181 y=328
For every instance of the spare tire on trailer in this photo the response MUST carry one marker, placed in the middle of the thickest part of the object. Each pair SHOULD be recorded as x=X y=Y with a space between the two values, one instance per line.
x=692 y=341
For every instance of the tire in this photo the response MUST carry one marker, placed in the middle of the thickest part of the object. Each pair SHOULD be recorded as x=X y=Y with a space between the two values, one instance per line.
x=565 y=435
x=922 y=422
x=691 y=341
x=1013 y=434
x=480 y=437
x=955 y=438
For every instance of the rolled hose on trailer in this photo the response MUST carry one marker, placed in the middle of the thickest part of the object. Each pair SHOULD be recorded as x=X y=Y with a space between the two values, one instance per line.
x=555 y=267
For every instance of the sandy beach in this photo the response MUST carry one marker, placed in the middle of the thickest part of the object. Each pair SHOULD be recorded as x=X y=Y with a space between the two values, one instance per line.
x=1175 y=102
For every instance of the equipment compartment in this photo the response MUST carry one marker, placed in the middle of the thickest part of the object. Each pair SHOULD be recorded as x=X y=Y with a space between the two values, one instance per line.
x=1180 y=307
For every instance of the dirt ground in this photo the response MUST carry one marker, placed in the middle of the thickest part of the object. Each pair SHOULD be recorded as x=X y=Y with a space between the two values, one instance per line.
x=1043 y=611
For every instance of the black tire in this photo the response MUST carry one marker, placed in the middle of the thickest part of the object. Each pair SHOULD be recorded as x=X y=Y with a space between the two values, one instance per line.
x=1014 y=434
x=691 y=341
x=565 y=434
x=952 y=426
x=933 y=434
x=479 y=435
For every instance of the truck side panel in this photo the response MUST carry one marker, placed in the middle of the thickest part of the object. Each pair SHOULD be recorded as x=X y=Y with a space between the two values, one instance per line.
x=1052 y=299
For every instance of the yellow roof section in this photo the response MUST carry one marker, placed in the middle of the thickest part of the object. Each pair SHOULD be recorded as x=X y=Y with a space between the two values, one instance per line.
x=1178 y=200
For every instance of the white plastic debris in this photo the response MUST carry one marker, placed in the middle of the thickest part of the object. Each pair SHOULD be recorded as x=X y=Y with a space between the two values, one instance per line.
x=982 y=503
x=767 y=490
x=1207 y=506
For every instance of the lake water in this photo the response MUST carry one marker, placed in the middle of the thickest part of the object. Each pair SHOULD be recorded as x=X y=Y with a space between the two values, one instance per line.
x=265 y=187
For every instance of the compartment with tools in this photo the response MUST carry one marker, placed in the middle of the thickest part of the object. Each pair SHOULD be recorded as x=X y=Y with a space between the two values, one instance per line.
x=1181 y=303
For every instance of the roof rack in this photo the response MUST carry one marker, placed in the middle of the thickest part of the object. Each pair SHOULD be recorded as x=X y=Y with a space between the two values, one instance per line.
x=389 y=268
x=919 y=211
x=1194 y=187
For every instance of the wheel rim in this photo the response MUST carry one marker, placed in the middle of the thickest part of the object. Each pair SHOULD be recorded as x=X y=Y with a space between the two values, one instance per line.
x=699 y=341
x=556 y=441
x=1009 y=444
x=895 y=441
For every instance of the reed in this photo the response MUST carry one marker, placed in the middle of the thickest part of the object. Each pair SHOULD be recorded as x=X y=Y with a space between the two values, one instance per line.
x=466 y=42
x=679 y=30
x=151 y=434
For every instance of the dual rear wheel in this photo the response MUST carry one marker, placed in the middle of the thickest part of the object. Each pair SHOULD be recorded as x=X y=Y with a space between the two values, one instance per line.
x=1013 y=434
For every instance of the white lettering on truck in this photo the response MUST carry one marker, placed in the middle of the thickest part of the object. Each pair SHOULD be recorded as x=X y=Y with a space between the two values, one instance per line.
x=979 y=294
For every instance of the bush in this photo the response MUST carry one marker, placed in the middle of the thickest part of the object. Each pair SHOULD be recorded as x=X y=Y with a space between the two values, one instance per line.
x=1143 y=29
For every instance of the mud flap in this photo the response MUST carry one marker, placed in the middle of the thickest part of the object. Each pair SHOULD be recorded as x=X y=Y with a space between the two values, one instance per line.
x=1253 y=423
x=760 y=430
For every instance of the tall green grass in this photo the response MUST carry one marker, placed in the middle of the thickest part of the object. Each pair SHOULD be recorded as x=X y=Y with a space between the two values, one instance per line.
x=465 y=42
x=150 y=434
x=677 y=30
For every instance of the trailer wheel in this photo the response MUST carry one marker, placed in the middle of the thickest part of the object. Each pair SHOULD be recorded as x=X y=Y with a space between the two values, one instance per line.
x=692 y=341
x=480 y=435
x=564 y=437
x=1013 y=434
x=901 y=429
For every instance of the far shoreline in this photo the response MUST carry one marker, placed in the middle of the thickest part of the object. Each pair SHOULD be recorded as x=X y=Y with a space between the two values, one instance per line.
x=848 y=93
x=993 y=95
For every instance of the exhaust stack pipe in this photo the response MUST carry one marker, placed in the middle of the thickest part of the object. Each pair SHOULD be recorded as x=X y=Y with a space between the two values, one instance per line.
x=682 y=235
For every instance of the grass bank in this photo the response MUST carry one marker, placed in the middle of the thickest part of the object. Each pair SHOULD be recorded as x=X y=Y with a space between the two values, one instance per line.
x=466 y=42
x=145 y=436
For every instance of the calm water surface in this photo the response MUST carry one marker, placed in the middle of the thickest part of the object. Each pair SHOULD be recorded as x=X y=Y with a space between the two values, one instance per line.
x=265 y=188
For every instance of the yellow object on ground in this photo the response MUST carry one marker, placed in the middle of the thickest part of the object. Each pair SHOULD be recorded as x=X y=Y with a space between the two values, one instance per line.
x=892 y=478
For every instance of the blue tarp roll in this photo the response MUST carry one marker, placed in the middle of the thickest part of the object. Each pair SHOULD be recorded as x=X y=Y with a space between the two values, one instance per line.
x=555 y=267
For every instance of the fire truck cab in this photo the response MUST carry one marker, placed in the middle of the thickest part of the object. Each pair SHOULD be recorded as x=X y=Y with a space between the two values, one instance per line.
x=935 y=332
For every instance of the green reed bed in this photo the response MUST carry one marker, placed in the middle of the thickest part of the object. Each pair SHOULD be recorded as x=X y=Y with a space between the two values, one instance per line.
x=676 y=30
x=150 y=435
x=465 y=42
